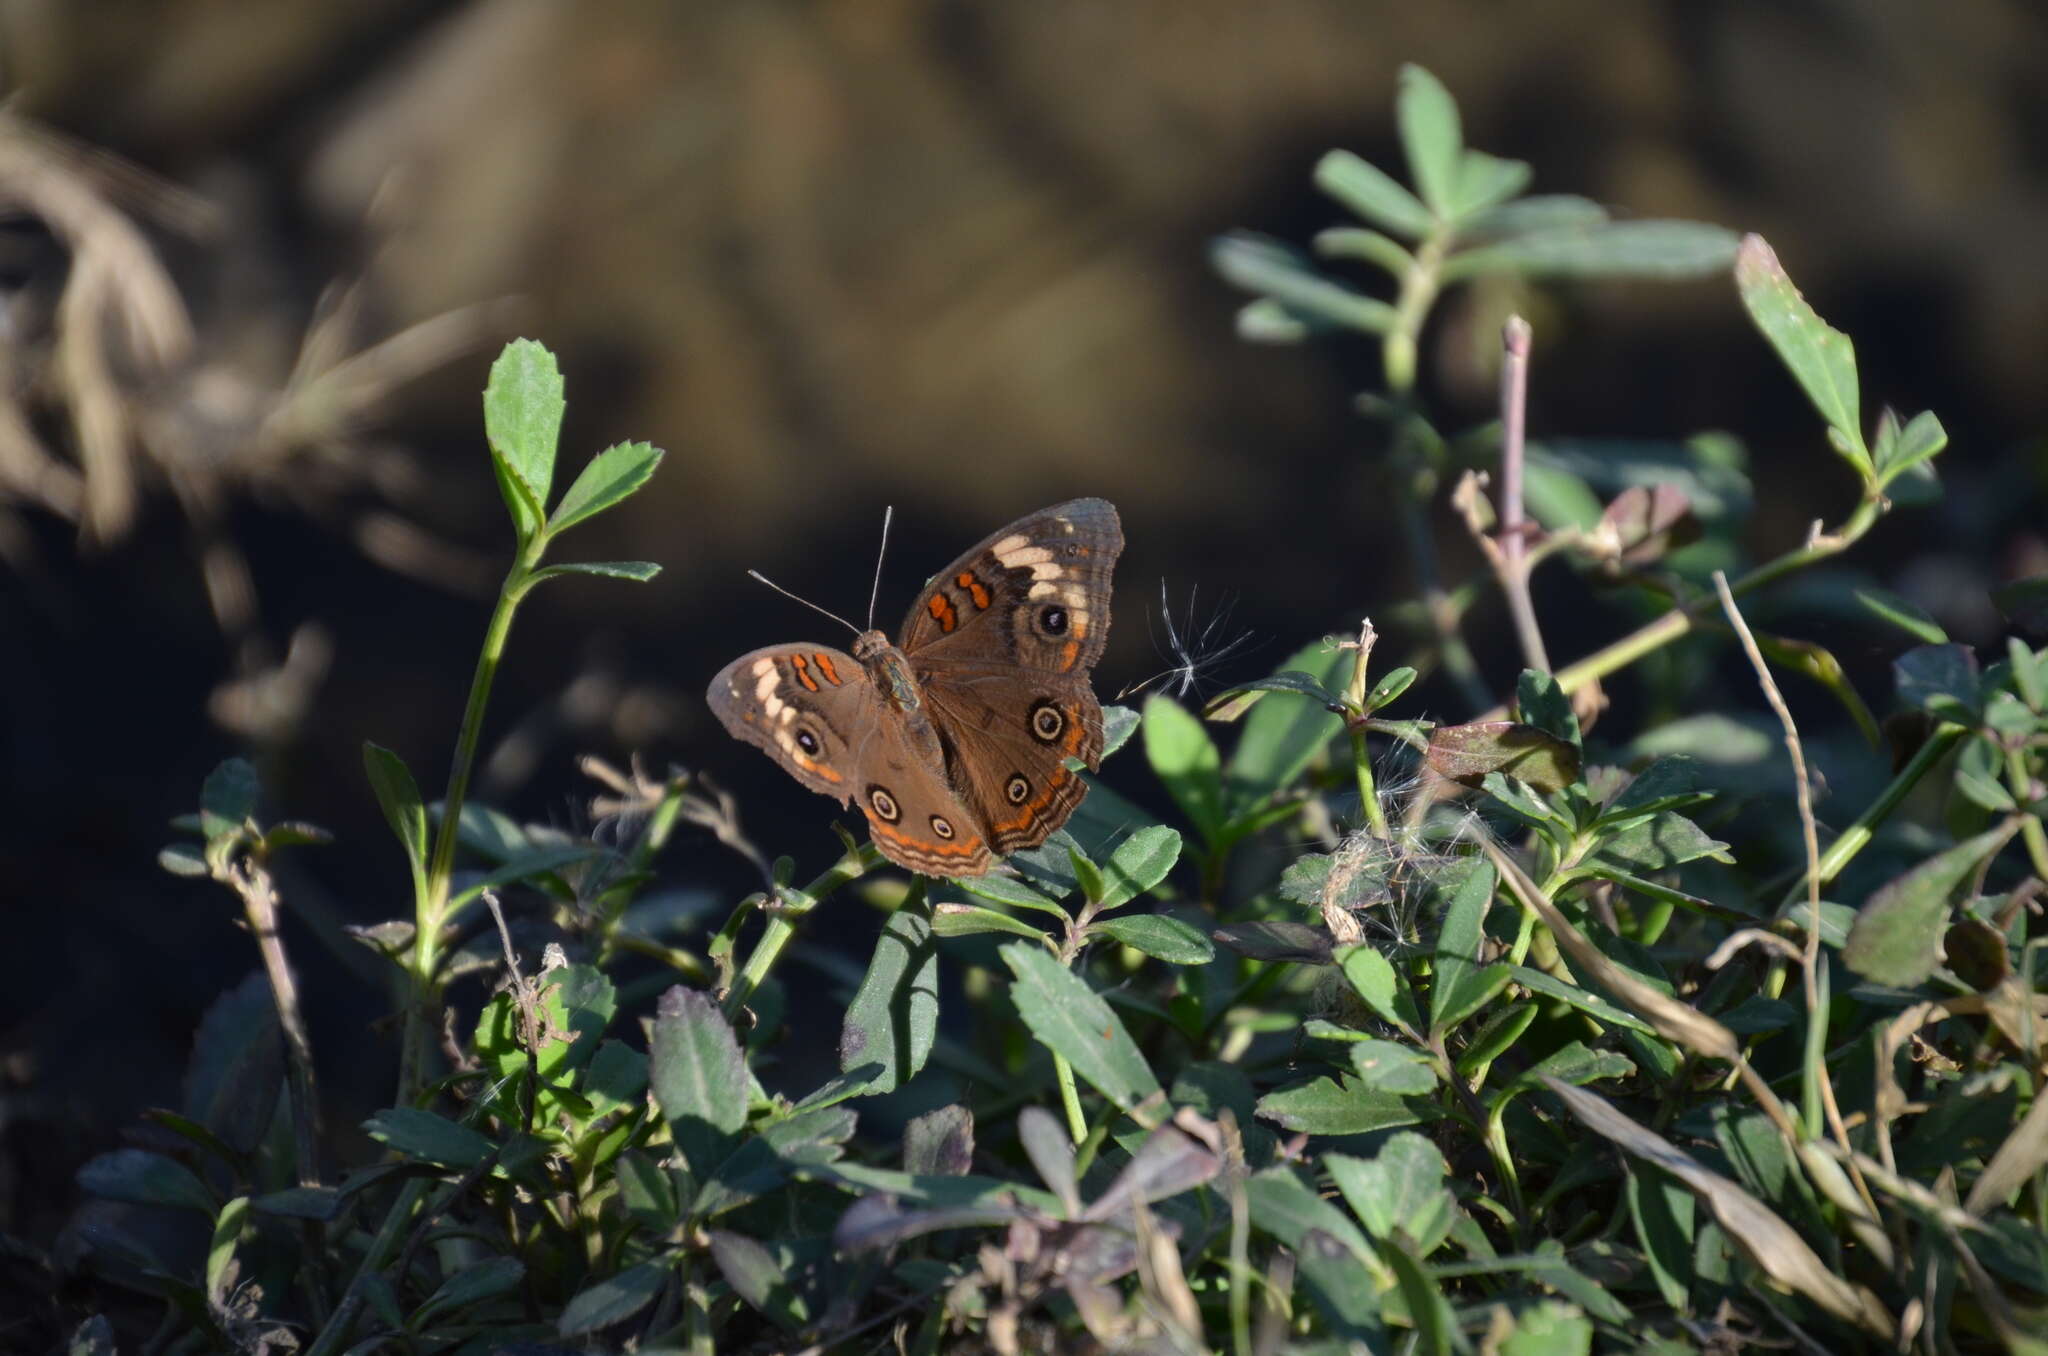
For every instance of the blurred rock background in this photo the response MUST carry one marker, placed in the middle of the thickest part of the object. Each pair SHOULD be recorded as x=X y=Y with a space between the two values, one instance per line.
x=941 y=254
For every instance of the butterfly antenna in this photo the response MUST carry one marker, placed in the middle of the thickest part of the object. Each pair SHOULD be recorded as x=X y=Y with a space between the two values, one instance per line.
x=875 y=595
x=805 y=601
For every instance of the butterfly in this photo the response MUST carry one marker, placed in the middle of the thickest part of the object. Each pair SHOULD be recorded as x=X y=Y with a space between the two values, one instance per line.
x=959 y=742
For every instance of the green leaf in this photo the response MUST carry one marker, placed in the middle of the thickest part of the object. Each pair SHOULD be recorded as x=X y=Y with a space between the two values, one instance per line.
x=1432 y=137
x=1390 y=687
x=577 y=1000
x=1577 y=1064
x=1494 y=1039
x=1138 y=864
x=639 y=571
x=183 y=859
x=1665 y=1224
x=1266 y=321
x=1896 y=939
x=1919 y=441
x=318 y=1203
x=228 y=799
x=1592 y=1004
x=1486 y=181
x=1654 y=250
x=759 y=1278
x=1282 y=738
x=1383 y=988
x=1389 y=1066
x=526 y=866
x=1942 y=680
x=1344 y=1288
x=471 y=1285
x=1463 y=984
x=1339 y=1106
x=1667 y=784
x=894 y=1018
x=399 y=795
x=1009 y=890
x=1540 y=212
x=1278 y=940
x=523 y=421
x=1373 y=194
x=427 y=1137
x=940 y=1143
x=1542 y=703
x=1819 y=356
x=1087 y=874
x=1119 y=723
x=1662 y=841
x=1402 y=1188
x=970 y=920
x=2024 y=603
x=699 y=1076
x=227 y=1232
x=1355 y=242
x=1067 y=1016
x=143 y=1178
x=237 y=1066
x=612 y=476
x=1157 y=934
x=612 y=1300
x=1549 y=1328
x=1814 y=661
x=1231 y=703
x=1257 y=264
x=1467 y=753
x=1285 y=1207
x=615 y=1077
x=1185 y=759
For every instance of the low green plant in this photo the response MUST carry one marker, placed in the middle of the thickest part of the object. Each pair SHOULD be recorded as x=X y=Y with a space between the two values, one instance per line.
x=1411 y=1036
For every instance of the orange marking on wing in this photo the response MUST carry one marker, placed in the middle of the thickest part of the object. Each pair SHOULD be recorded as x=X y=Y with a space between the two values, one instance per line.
x=932 y=848
x=975 y=589
x=1070 y=653
x=1031 y=811
x=816 y=769
x=802 y=671
x=942 y=612
x=824 y=663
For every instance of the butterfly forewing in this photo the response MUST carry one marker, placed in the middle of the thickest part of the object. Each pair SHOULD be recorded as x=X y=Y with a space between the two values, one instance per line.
x=1035 y=594
x=810 y=706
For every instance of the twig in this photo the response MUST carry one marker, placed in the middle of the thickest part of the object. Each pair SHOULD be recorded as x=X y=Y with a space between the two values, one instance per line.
x=536 y=1024
x=249 y=879
x=1810 y=962
x=1514 y=565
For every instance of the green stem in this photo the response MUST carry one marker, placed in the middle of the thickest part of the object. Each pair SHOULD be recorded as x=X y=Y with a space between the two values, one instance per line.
x=1858 y=835
x=1361 y=755
x=1419 y=287
x=2021 y=784
x=1677 y=622
x=431 y=907
x=783 y=918
x=378 y=1256
x=1070 y=1097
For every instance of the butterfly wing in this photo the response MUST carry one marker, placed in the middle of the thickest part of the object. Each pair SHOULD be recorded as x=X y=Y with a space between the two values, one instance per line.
x=811 y=707
x=817 y=713
x=1035 y=594
x=1002 y=644
x=1010 y=734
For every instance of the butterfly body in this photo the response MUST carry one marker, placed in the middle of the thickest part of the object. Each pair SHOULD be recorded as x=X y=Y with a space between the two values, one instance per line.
x=956 y=740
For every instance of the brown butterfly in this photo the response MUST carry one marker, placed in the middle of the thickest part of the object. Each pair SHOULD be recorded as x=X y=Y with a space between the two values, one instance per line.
x=955 y=740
